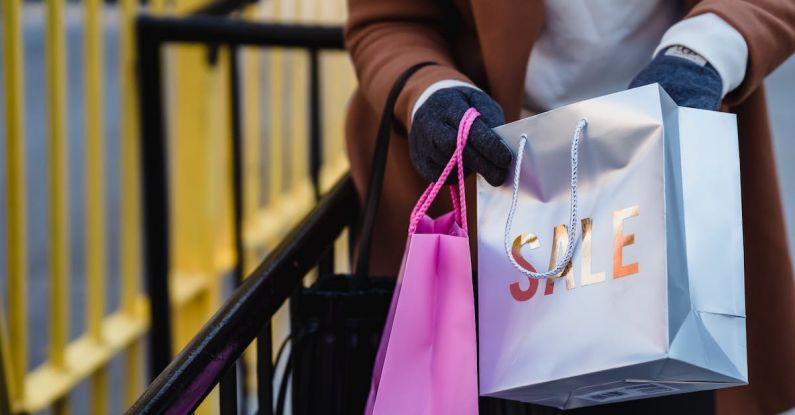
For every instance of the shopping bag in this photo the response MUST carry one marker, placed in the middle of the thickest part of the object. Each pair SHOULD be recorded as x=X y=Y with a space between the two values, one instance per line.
x=426 y=361
x=610 y=265
x=337 y=322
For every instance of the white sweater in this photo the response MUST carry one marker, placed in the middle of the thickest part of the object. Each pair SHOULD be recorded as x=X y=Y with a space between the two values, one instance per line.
x=589 y=48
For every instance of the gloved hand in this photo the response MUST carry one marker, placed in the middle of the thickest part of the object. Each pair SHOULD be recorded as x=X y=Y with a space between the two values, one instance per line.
x=686 y=76
x=432 y=139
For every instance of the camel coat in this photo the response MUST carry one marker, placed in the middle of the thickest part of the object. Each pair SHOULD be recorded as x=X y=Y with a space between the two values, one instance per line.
x=488 y=42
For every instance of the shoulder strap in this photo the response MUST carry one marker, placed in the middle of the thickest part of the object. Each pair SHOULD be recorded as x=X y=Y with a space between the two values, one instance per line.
x=377 y=171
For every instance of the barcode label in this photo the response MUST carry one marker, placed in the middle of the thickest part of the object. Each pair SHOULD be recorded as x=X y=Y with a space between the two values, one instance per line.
x=650 y=388
x=604 y=396
x=628 y=392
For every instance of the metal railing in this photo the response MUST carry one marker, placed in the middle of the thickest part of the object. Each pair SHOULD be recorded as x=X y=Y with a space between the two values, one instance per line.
x=205 y=245
x=187 y=380
x=222 y=340
x=69 y=361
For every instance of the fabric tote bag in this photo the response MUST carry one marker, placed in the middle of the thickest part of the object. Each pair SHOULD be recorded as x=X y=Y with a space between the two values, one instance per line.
x=610 y=265
x=426 y=361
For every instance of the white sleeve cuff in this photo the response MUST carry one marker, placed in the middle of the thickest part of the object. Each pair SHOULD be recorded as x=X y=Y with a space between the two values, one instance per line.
x=446 y=83
x=714 y=39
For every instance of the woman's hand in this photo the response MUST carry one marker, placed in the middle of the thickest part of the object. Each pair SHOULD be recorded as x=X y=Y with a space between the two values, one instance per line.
x=686 y=76
x=432 y=138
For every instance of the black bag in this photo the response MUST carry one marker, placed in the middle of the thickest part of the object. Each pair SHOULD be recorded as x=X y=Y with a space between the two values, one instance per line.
x=336 y=323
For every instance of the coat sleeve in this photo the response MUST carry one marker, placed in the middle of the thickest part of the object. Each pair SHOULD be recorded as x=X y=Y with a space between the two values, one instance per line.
x=386 y=37
x=768 y=27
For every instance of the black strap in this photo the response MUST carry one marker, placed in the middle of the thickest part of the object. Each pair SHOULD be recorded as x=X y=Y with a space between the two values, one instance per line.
x=377 y=172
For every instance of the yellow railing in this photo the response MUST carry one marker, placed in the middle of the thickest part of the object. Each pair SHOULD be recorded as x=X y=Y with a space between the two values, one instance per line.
x=16 y=229
x=276 y=184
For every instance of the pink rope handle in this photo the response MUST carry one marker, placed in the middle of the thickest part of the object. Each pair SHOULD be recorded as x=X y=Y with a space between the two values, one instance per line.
x=456 y=208
x=456 y=161
x=420 y=202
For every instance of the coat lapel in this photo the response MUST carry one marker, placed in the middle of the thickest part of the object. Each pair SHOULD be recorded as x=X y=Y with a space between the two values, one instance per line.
x=506 y=31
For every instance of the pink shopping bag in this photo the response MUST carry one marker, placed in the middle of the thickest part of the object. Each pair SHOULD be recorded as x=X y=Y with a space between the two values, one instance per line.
x=426 y=361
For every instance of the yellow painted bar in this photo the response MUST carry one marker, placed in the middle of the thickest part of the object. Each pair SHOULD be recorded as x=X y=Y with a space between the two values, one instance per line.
x=47 y=385
x=191 y=243
x=129 y=191
x=16 y=219
x=157 y=6
x=334 y=160
x=333 y=95
x=99 y=391
x=275 y=116
x=190 y=140
x=132 y=372
x=95 y=195
x=325 y=10
x=219 y=179
x=58 y=174
x=8 y=364
x=276 y=131
x=299 y=173
x=299 y=93
x=252 y=127
x=266 y=228
x=301 y=193
x=95 y=171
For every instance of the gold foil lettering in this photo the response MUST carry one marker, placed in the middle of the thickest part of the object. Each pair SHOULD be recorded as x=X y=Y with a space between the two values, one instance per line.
x=620 y=241
x=586 y=277
x=532 y=242
x=560 y=240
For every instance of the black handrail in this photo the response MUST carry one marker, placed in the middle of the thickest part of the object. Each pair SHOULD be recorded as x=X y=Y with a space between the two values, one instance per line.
x=192 y=374
x=217 y=30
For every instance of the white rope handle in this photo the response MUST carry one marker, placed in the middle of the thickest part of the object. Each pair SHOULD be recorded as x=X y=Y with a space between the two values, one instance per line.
x=573 y=221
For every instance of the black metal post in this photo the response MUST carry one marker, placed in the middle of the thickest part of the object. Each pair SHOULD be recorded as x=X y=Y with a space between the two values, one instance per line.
x=315 y=134
x=265 y=370
x=154 y=180
x=326 y=265
x=228 y=392
x=237 y=162
x=229 y=399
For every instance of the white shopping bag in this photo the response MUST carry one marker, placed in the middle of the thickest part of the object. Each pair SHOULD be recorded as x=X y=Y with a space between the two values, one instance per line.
x=652 y=302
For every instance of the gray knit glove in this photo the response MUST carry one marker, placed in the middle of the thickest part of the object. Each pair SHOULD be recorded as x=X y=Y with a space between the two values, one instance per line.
x=687 y=77
x=434 y=130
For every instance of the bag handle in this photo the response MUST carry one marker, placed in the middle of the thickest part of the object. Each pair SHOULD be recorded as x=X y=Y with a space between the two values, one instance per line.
x=456 y=161
x=572 y=231
x=377 y=172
